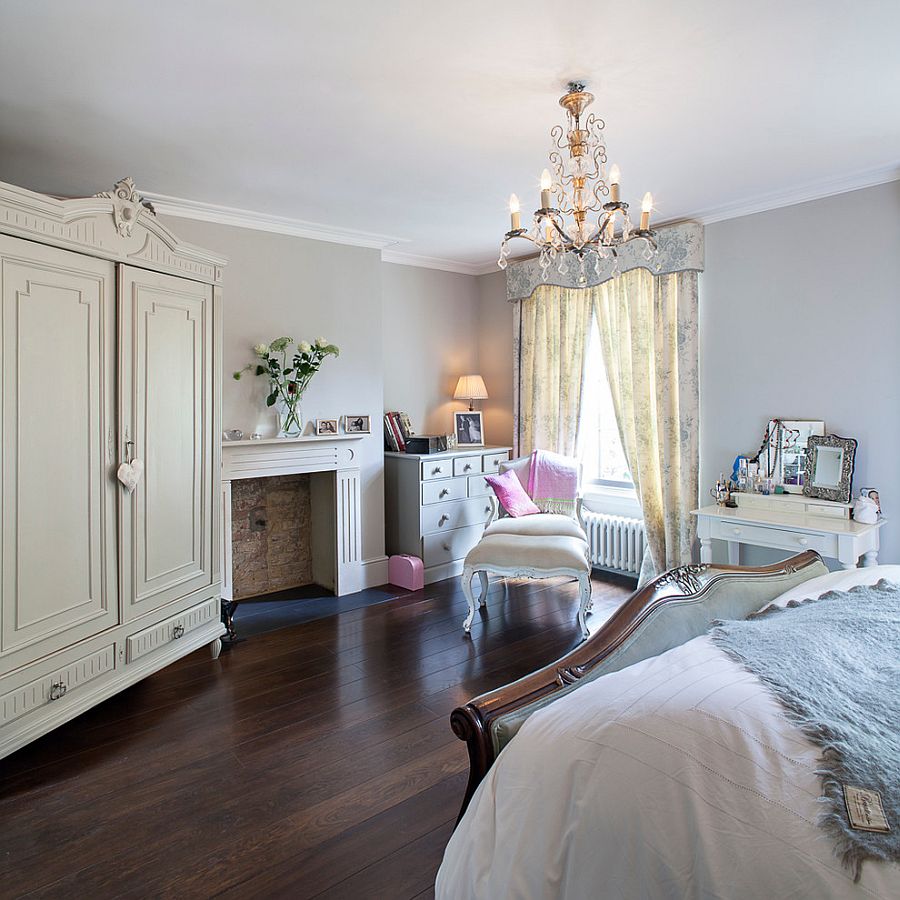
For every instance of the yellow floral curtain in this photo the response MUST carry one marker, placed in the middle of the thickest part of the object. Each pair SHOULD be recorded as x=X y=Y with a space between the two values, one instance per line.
x=552 y=330
x=648 y=328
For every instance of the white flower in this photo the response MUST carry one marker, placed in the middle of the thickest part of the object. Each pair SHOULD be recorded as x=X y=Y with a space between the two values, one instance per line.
x=304 y=347
x=321 y=342
x=261 y=350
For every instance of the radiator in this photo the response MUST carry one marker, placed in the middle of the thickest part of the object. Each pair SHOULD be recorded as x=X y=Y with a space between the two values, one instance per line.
x=616 y=542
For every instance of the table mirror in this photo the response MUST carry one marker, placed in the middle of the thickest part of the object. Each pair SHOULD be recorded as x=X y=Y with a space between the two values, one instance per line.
x=828 y=472
x=782 y=454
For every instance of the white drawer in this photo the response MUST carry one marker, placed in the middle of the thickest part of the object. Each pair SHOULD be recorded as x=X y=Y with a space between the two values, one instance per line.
x=491 y=461
x=171 y=629
x=57 y=685
x=478 y=487
x=456 y=514
x=437 y=468
x=780 y=538
x=444 y=548
x=466 y=465
x=447 y=489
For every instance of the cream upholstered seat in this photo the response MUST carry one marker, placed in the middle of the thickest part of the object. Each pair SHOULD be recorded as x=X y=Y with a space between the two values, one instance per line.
x=536 y=546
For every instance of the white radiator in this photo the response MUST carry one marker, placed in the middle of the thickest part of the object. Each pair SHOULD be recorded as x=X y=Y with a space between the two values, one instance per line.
x=616 y=542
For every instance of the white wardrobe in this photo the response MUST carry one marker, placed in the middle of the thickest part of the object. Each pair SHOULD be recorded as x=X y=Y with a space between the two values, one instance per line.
x=110 y=336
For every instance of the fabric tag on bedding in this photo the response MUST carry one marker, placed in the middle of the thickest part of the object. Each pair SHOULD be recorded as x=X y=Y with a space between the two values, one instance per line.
x=864 y=810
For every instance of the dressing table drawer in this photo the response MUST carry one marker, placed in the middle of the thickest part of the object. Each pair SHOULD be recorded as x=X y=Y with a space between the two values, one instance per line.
x=780 y=538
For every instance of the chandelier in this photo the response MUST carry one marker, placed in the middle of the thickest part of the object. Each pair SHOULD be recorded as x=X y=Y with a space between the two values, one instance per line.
x=582 y=220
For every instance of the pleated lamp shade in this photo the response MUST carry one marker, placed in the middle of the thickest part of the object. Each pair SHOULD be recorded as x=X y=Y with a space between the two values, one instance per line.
x=470 y=387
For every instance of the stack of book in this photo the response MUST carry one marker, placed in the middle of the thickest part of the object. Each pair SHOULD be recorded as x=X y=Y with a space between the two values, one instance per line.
x=397 y=430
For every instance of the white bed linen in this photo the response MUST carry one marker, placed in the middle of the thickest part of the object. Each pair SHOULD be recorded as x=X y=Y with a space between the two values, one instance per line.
x=677 y=777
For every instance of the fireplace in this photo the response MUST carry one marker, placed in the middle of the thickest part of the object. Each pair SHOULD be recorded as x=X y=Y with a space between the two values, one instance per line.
x=326 y=521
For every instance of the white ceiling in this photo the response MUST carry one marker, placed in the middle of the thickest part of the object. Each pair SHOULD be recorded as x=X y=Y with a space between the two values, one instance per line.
x=415 y=120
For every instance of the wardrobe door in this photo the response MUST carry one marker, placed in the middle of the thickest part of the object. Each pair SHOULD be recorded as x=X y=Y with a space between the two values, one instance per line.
x=57 y=424
x=166 y=383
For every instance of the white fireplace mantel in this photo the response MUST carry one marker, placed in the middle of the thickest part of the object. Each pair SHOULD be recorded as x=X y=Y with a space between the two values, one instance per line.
x=336 y=541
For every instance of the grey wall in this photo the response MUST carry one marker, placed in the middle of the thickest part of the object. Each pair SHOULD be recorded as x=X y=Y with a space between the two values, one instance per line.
x=800 y=318
x=495 y=356
x=430 y=338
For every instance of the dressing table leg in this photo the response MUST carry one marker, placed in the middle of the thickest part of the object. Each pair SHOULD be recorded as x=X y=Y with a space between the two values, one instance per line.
x=846 y=565
x=734 y=553
x=705 y=550
x=870 y=558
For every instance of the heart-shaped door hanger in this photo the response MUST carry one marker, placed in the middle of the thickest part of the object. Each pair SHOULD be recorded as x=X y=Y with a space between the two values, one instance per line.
x=129 y=473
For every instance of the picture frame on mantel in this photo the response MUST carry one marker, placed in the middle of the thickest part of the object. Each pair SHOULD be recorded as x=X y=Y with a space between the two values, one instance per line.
x=326 y=427
x=357 y=425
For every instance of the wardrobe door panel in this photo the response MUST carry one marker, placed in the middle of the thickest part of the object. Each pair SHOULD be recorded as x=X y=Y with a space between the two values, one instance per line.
x=166 y=346
x=59 y=559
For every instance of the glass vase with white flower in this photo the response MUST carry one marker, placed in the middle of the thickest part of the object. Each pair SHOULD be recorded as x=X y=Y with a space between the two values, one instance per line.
x=289 y=374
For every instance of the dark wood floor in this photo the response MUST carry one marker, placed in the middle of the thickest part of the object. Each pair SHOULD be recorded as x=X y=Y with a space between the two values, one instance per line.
x=313 y=761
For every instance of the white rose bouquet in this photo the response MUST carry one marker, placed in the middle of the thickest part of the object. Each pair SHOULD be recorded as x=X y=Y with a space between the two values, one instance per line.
x=289 y=374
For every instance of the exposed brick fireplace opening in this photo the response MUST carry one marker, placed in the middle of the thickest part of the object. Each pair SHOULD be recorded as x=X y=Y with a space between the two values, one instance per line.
x=271 y=521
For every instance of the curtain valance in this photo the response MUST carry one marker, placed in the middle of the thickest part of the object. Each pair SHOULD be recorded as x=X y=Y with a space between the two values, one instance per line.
x=680 y=250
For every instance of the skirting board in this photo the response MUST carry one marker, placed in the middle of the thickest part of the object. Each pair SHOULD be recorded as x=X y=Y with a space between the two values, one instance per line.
x=374 y=571
x=446 y=570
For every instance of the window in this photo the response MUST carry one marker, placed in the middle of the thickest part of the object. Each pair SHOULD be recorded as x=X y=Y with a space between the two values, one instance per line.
x=600 y=448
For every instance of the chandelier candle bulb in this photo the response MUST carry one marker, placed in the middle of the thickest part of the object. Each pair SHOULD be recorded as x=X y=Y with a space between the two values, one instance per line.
x=546 y=184
x=646 y=206
x=515 y=219
x=614 y=177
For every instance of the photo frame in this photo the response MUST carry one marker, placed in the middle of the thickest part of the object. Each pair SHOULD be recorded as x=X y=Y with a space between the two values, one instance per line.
x=357 y=425
x=327 y=427
x=468 y=427
x=829 y=467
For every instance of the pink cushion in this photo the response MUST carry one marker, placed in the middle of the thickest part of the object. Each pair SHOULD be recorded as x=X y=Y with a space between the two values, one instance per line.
x=511 y=494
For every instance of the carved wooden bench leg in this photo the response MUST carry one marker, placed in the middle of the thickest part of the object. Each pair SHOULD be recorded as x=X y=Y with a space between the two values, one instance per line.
x=584 y=607
x=467 y=576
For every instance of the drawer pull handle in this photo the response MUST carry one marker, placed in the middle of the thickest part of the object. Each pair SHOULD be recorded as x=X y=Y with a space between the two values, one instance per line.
x=443 y=492
x=467 y=468
x=803 y=541
x=446 y=546
x=736 y=530
x=496 y=462
x=437 y=471
x=487 y=509
x=57 y=690
x=443 y=518
x=177 y=632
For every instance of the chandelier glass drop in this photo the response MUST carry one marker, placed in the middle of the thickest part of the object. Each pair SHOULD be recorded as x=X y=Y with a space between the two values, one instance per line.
x=581 y=220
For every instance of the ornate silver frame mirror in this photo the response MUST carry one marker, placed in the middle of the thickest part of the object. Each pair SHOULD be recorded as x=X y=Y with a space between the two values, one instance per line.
x=829 y=467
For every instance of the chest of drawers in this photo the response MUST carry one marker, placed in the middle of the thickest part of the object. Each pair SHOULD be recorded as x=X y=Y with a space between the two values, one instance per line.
x=436 y=505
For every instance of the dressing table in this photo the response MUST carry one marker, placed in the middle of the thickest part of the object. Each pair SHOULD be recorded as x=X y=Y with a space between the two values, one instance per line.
x=788 y=522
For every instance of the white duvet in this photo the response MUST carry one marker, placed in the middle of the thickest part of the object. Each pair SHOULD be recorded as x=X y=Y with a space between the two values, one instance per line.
x=678 y=777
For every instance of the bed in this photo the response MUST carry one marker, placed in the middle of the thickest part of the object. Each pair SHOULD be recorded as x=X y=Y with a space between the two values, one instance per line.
x=649 y=764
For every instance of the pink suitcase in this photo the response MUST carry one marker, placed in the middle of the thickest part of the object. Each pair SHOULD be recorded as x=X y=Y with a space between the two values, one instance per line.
x=406 y=572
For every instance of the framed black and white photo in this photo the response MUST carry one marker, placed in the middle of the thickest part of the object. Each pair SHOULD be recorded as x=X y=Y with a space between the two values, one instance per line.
x=357 y=425
x=326 y=426
x=469 y=428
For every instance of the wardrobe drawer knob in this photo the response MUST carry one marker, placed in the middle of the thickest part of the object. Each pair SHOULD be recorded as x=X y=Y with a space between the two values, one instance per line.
x=178 y=631
x=437 y=471
x=443 y=518
x=735 y=530
x=57 y=690
x=443 y=492
x=803 y=541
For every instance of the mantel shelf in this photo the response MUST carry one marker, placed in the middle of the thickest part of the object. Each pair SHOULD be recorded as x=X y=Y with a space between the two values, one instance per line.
x=306 y=439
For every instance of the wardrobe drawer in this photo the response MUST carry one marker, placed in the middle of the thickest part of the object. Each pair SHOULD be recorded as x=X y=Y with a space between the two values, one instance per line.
x=466 y=465
x=444 y=548
x=437 y=468
x=478 y=487
x=491 y=461
x=781 y=538
x=57 y=685
x=457 y=514
x=171 y=629
x=447 y=489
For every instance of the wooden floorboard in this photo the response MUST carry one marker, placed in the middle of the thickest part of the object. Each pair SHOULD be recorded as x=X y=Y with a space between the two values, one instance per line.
x=312 y=761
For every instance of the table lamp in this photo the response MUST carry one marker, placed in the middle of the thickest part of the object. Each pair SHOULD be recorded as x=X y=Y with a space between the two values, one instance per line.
x=470 y=387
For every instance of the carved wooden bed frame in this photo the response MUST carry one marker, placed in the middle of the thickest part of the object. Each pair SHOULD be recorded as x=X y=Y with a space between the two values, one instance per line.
x=472 y=723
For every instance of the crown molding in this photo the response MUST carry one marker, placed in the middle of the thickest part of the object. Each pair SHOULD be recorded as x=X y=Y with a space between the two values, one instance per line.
x=813 y=190
x=245 y=218
x=259 y=221
x=437 y=262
